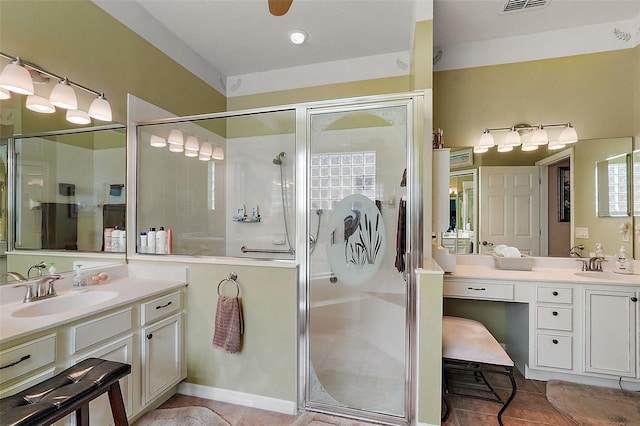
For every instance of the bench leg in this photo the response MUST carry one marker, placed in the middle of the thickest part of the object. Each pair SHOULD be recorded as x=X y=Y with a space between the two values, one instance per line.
x=82 y=415
x=117 y=405
x=513 y=394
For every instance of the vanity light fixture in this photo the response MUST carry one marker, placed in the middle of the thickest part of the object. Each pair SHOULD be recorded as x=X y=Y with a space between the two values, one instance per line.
x=157 y=141
x=538 y=138
x=175 y=148
x=77 y=116
x=191 y=146
x=18 y=77
x=39 y=104
x=217 y=154
x=205 y=151
x=175 y=138
x=298 y=36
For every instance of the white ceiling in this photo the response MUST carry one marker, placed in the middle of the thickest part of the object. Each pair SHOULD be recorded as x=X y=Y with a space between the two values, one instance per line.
x=239 y=37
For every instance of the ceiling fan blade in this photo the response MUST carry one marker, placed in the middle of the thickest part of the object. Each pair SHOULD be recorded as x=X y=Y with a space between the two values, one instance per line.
x=279 y=7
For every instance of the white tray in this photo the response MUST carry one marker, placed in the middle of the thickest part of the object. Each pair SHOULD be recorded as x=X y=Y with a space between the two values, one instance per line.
x=522 y=263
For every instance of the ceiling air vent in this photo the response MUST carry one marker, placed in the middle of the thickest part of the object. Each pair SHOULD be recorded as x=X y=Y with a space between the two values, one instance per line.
x=516 y=5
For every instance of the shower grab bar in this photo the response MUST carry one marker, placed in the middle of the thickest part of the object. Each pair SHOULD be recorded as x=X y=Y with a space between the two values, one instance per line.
x=245 y=249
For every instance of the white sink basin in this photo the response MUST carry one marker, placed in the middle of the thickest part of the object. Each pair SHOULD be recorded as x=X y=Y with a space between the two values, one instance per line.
x=610 y=276
x=64 y=303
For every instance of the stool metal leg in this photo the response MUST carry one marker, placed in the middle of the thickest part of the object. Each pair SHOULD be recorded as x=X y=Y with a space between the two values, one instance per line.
x=117 y=405
x=513 y=394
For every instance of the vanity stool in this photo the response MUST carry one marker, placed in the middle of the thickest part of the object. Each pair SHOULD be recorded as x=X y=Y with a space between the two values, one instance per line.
x=468 y=352
x=69 y=391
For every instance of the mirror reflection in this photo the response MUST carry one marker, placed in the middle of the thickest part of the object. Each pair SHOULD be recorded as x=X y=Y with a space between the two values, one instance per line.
x=69 y=187
x=612 y=186
x=461 y=237
x=564 y=203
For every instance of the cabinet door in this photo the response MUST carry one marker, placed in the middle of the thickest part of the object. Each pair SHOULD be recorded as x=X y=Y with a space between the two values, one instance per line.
x=610 y=332
x=100 y=409
x=162 y=356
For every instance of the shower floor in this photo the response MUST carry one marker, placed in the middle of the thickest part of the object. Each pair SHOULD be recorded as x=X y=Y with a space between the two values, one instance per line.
x=355 y=359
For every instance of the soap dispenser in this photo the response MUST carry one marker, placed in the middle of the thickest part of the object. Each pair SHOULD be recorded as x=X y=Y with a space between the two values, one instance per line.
x=623 y=265
x=79 y=281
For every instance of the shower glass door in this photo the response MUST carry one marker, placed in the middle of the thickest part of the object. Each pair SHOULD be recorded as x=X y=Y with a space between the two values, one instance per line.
x=357 y=288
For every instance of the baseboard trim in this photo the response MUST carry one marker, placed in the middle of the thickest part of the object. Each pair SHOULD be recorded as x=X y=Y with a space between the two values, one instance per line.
x=239 y=398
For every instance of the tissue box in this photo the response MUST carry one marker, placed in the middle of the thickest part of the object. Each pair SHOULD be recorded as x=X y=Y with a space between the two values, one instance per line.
x=522 y=263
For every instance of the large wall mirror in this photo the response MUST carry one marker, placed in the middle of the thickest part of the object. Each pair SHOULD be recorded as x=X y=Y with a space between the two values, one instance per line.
x=65 y=189
x=563 y=206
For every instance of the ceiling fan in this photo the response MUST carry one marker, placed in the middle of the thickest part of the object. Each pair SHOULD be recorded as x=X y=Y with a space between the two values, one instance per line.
x=279 y=7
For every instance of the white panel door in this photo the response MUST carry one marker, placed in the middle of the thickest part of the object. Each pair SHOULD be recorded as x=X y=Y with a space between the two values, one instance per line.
x=509 y=198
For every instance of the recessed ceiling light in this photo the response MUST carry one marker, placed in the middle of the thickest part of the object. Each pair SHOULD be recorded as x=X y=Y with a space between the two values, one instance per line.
x=297 y=36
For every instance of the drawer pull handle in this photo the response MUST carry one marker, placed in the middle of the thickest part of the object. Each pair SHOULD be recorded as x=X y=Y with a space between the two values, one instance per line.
x=634 y=299
x=555 y=341
x=555 y=293
x=150 y=336
x=555 y=313
x=476 y=288
x=24 y=358
x=163 y=306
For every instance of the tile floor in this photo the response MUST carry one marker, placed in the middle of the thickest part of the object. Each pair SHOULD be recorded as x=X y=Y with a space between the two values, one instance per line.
x=529 y=408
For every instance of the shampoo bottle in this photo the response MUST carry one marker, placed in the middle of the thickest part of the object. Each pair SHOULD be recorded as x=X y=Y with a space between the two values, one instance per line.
x=79 y=281
x=151 y=241
x=161 y=241
x=143 y=242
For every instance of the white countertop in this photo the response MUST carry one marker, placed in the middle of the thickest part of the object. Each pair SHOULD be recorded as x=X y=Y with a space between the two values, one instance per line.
x=129 y=289
x=542 y=274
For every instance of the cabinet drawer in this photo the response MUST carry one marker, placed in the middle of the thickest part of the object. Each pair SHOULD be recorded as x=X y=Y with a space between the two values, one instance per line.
x=478 y=290
x=553 y=318
x=27 y=357
x=99 y=330
x=554 y=351
x=160 y=307
x=555 y=295
x=27 y=383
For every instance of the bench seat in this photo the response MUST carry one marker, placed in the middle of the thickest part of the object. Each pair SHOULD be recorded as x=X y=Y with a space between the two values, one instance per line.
x=469 y=351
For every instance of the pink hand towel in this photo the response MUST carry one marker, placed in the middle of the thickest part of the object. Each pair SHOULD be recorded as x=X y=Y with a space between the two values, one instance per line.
x=229 y=325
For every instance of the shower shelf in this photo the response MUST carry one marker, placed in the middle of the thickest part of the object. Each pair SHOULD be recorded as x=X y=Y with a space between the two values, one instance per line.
x=247 y=220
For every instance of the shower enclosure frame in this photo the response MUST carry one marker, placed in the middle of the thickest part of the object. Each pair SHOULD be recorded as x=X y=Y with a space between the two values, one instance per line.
x=416 y=159
x=414 y=103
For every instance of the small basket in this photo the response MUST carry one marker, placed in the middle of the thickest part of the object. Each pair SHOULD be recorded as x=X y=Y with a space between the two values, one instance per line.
x=522 y=263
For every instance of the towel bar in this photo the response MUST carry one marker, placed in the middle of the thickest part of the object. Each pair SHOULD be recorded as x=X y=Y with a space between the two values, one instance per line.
x=232 y=279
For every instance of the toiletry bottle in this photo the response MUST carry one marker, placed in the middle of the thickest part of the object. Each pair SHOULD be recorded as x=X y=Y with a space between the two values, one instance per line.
x=115 y=240
x=143 y=242
x=599 y=252
x=52 y=268
x=123 y=241
x=161 y=241
x=623 y=265
x=169 y=241
x=151 y=241
x=79 y=281
x=107 y=239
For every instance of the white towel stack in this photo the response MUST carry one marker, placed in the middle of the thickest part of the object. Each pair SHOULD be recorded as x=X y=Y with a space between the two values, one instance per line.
x=507 y=251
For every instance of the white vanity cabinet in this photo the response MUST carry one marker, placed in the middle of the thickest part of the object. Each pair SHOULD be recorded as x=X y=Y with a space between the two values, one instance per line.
x=610 y=331
x=162 y=343
x=554 y=327
x=26 y=364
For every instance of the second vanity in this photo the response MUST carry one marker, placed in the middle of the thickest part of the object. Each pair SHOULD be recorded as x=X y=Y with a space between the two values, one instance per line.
x=560 y=323
x=137 y=317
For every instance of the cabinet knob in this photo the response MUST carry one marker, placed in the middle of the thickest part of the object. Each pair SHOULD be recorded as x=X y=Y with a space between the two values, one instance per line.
x=555 y=313
x=555 y=341
x=634 y=299
x=555 y=293
x=150 y=336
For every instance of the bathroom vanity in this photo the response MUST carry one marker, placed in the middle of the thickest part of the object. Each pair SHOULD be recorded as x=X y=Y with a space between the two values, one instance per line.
x=561 y=323
x=136 y=318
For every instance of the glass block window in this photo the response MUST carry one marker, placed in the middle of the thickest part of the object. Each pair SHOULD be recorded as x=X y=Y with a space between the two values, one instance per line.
x=618 y=189
x=212 y=186
x=337 y=175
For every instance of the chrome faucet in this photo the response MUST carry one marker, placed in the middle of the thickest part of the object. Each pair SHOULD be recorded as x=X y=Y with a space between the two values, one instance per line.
x=592 y=264
x=16 y=276
x=38 y=267
x=44 y=288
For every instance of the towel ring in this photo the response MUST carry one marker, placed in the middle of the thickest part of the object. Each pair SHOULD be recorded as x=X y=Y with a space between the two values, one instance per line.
x=232 y=279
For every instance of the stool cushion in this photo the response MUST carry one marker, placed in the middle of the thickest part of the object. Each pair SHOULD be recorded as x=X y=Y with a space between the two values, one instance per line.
x=45 y=399
x=468 y=340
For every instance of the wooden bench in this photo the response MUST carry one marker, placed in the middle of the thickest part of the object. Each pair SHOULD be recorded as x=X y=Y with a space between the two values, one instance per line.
x=468 y=352
x=69 y=391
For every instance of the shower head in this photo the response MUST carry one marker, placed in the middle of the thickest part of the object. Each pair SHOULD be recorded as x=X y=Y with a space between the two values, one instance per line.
x=278 y=159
